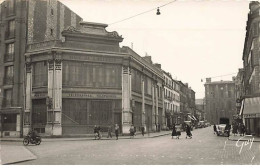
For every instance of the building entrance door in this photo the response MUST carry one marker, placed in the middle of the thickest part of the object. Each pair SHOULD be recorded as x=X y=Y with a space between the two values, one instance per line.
x=39 y=115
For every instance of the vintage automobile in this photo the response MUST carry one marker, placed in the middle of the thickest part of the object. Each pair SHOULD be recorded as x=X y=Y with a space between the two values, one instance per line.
x=201 y=124
x=221 y=130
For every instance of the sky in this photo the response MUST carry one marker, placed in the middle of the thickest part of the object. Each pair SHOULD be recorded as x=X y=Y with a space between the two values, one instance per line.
x=192 y=40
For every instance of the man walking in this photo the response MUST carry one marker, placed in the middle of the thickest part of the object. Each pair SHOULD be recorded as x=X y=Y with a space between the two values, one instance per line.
x=116 y=131
x=214 y=128
x=142 y=130
x=109 y=132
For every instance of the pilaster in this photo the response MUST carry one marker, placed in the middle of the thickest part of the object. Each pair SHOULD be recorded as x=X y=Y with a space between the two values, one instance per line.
x=28 y=99
x=156 y=107
x=126 y=95
x=143 y=103
x=153 y=108
x=54 y=101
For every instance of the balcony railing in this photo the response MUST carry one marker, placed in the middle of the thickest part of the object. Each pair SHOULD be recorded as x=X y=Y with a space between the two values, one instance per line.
x=9 y=57
x=9 y=34
x=8 y=80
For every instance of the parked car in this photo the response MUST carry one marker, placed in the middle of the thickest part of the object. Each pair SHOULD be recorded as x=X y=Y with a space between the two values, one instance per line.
x=221 y=130
x=208 y=124
x=201 y=124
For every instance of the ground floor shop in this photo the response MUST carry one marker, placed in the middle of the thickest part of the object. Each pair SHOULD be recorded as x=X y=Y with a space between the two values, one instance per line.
x=11 y=122
x=251 y=115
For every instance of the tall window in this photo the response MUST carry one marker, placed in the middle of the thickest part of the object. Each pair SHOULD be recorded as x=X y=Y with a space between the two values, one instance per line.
x=10 y=7
x=11 y=28
x=40 y=74
x=9 y=75
x=8 y=97
x=9 y=56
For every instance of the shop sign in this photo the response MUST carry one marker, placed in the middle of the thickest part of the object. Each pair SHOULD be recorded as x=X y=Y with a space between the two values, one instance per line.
x=91 y=96
x=251 y=115
x=39 y=95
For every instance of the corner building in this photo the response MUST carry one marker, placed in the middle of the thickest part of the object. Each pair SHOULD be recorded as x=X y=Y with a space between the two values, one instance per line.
x=86 y=79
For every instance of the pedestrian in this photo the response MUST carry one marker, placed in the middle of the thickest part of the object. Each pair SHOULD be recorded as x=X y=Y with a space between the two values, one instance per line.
x=243 y=129
x=178 y=132
x=234 y=130
x=188 y=131
x=214 y=128
x=227 y=129
x=116 y=131
x=142 y=130
x=109 y=132
x=132 y=131
x=174 y=132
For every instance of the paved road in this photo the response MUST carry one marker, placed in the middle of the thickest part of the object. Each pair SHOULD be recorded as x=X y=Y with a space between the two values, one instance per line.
x=204 y=148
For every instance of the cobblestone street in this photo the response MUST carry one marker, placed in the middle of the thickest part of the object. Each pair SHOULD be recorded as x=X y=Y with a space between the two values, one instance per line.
x=204 y=148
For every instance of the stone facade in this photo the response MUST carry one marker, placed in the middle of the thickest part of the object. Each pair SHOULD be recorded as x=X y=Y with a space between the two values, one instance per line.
x=89 y=71
x=23 y=22
x=220 y=100
x=251 y=57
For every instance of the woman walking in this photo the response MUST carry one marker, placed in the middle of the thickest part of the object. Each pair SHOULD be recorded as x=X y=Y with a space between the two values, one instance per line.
x=174 y=132
x=132 y=131
x=188 y=131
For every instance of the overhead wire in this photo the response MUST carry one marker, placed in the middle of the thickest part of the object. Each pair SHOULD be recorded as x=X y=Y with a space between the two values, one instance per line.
x=142 y=13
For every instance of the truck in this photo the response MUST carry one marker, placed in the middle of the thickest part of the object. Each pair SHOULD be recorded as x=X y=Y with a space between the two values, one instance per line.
x=223 y=121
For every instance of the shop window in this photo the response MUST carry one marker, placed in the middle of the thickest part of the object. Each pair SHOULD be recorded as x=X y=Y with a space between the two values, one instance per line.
x=9 y=123
x=9 y=75
x=9 y=56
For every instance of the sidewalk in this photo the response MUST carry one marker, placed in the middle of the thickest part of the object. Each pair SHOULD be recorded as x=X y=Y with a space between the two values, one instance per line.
x=245 y=138
x=91 y=137
x=13 y=154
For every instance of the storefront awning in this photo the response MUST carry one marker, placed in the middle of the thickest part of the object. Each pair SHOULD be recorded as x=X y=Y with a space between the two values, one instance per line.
x=242 y=108
x=192 y=117
x=252 y=106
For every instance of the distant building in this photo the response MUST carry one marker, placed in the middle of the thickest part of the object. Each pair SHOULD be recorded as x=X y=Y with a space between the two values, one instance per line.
x=171 y=99
x=187 y=102
x=200 y=109
x=220 y=100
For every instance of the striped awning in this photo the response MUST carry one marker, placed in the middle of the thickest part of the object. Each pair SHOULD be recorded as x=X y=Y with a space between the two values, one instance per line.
x=241 y=108
x=251 y=106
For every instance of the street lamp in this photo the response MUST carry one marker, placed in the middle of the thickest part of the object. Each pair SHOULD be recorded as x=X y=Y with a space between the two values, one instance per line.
x=158 y=11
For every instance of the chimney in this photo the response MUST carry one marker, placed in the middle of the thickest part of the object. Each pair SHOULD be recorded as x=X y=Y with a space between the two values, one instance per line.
x=148 y=58
x=208 y=80
x=158 y=65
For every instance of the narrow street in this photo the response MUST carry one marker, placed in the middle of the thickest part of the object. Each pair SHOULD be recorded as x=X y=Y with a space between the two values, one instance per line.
x=204 y=148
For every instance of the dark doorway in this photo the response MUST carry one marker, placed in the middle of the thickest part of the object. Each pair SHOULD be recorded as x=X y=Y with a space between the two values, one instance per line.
x=39 y=115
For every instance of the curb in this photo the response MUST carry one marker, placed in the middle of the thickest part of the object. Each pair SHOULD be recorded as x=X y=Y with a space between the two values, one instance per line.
x=81 y=139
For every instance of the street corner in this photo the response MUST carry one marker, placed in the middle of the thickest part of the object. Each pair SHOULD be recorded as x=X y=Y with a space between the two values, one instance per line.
x=13 y=154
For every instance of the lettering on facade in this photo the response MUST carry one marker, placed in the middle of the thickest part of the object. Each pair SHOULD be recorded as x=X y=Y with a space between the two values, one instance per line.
x=94 y=58
x=39 y=95
x=86 y=95
x=251 y=115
